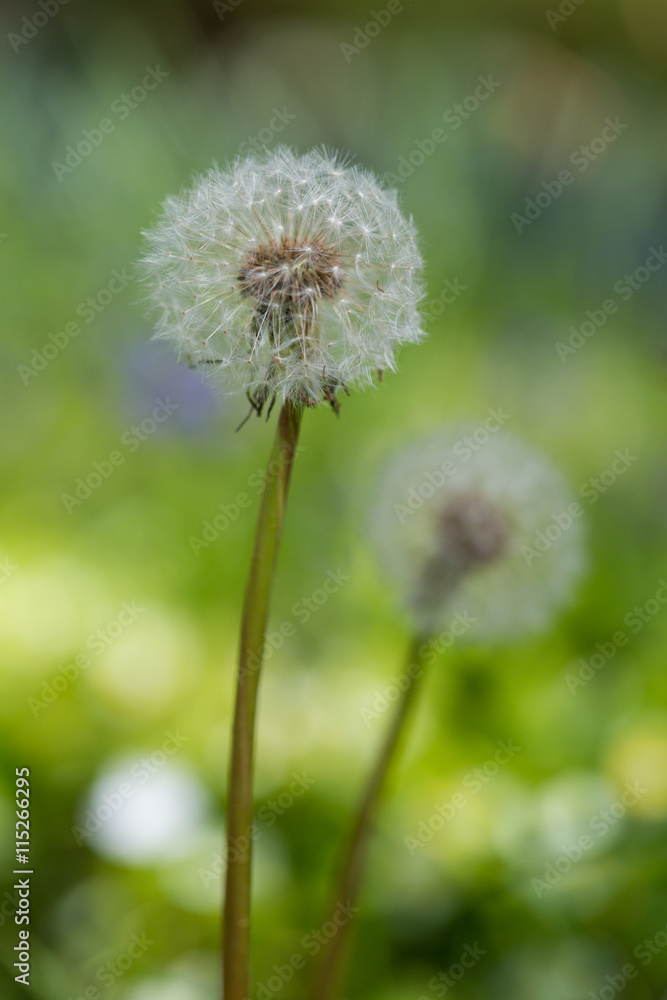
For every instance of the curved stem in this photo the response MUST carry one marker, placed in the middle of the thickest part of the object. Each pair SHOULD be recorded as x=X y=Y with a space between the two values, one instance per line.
x=236 y=940
x=352 y=868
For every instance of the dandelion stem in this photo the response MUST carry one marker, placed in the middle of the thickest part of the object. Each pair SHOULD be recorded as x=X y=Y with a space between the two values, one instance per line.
x=354 y=858
x=236 y=941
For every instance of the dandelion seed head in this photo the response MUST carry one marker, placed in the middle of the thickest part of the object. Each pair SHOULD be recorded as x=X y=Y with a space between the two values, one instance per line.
x=286 y=274
x=453 y=523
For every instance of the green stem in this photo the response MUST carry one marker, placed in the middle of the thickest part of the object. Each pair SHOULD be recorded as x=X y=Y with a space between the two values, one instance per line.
x=352 y=868
x=236 y=941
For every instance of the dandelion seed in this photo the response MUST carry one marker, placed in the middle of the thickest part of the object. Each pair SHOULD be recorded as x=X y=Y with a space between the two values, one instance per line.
x=451 y=519
x=282 y=256
x=268 y=275
x=451 y=524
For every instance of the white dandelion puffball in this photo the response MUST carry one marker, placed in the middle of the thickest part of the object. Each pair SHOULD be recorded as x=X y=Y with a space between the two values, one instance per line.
x=287 y=275
x=483 y=530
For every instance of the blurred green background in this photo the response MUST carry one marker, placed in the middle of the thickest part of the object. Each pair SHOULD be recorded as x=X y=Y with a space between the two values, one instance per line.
x=130 y=910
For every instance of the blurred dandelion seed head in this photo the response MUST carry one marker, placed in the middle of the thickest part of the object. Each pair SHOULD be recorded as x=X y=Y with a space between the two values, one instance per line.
x=469 y=532
x=286 y=274
x=452 y=525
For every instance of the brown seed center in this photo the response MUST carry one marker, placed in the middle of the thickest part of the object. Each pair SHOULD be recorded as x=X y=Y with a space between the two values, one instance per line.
x=291 y=274
x=473 y=532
